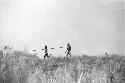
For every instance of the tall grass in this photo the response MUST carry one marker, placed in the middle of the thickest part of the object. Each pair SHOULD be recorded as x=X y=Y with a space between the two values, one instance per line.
x=22 y=67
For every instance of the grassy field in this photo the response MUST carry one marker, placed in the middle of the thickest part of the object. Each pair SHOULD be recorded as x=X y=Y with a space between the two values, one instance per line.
x=22 y=67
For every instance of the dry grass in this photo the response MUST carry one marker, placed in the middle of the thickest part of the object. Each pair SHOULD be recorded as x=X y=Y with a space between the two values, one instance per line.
x=21 y=67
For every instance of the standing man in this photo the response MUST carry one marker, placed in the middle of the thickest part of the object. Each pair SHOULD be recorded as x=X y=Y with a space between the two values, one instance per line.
x=68 y=50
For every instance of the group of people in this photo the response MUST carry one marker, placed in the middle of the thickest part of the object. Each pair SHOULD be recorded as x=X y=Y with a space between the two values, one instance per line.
x=68 y=51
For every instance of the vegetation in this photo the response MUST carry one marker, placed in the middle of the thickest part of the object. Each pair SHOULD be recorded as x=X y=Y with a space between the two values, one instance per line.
x=22 y=67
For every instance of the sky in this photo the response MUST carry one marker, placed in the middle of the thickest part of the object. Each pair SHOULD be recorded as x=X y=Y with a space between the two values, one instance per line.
x=91 y=27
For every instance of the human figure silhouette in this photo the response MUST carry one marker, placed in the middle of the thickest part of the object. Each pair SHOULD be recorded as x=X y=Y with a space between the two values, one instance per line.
x=106 y=53
x=68 y=50
x=46 y=52
x=5 y=51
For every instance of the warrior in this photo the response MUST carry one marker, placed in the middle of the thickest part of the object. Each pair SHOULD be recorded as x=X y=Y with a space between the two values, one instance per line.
x=46 y=52
x=68 y=50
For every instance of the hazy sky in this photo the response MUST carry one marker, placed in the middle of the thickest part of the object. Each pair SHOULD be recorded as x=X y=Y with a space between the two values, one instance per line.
x=92 y=27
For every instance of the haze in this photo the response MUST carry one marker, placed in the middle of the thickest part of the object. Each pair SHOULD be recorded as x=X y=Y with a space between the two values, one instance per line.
x=92 y=27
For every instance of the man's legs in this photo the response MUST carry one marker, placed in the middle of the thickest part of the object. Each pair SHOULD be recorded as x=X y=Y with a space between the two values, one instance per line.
x=45 y=56
x=48 y=55
x=67 y=54
x=70 y=54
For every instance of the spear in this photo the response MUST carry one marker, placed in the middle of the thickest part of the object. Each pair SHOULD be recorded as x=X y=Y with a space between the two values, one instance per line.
x=34 y=50
x=60 y=47
x=52 y=48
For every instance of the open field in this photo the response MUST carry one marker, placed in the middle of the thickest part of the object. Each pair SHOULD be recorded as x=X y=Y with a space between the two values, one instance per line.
x=21 y=67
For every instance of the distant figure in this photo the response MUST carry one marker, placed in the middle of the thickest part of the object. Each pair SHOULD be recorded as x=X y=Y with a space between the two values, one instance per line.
x=68 y=50
x=5 y=47
x=46 y=52
x=5 y=51
x=106 y=53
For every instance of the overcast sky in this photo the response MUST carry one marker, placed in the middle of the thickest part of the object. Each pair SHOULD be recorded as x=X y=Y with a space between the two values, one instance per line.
x=92 y=27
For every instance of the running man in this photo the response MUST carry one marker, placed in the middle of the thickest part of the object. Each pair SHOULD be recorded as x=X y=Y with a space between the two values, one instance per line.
x=68 y=50
x=46 y=52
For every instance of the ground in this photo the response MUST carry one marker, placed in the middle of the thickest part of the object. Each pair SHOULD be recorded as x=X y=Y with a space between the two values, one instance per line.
x=22 y=67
